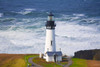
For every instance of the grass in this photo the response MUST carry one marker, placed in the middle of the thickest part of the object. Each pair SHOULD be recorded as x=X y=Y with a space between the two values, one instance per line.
x=12 y=60
x=27 y=57
x=79 y=62
x=43 y=63
x=21 y=60
x=15 y=60
x=16 y=63
x=64 y=61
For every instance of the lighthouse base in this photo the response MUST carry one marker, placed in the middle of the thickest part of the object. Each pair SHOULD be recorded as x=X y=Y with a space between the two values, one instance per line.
x=53 y=56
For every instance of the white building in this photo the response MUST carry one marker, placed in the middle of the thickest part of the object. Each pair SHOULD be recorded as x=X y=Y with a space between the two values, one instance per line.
x=51 y=55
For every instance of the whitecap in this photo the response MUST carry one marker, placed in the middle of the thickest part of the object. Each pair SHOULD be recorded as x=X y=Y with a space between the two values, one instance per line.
x=26 y=11
x=84 y=37
x=30 y=9
x=80 y=15
x=70 y=37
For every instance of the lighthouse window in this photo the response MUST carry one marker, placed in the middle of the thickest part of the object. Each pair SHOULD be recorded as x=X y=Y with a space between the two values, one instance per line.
x=51 y=43
x=50 y=18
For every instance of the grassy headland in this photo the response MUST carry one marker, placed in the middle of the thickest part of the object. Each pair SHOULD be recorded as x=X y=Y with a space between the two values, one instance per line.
x=12 y=60
x=21 y=60
x=43 y=63
x=79 y=63
x=27 y=57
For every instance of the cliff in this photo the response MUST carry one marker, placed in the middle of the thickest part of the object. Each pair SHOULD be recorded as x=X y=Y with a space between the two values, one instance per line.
x=88 y=54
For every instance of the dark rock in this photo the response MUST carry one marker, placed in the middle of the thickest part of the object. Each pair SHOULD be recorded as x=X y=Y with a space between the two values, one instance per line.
x=88 y=54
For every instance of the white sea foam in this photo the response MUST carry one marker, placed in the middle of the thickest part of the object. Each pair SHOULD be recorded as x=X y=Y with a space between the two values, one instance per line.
x=30 y=9
x=79 y=15
x=73 y=37
x=14 y=40
x=70 y=37
x=26 y=11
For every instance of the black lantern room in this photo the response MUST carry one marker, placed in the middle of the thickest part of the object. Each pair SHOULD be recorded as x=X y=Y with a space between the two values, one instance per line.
x=50 y=24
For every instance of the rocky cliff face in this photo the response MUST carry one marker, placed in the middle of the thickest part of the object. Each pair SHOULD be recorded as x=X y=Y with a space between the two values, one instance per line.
x=88 y=54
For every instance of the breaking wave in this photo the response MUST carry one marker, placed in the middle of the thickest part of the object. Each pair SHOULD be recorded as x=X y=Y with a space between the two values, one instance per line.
x=27 y=35
x=26 y=11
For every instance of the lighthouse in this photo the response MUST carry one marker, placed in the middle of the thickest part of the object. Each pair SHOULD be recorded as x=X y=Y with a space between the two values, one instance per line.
x=50 y=34
x=50 y=53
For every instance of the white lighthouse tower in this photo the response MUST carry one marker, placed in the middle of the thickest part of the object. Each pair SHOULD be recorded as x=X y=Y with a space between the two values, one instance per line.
x=51 y=55
x=50 y=34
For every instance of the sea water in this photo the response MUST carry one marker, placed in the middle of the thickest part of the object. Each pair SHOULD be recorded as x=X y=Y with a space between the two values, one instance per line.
x=22 y=25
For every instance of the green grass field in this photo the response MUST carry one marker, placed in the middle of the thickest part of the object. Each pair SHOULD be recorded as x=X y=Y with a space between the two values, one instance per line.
x=27 y=57
x=79 y=62
x=43 y=63
x=15 y=60
x=21 y=60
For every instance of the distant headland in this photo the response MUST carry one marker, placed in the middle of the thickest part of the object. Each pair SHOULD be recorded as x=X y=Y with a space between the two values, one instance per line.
x=93 y=54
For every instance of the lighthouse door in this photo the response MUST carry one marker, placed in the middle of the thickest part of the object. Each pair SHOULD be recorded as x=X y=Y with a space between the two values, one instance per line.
x=55 y=59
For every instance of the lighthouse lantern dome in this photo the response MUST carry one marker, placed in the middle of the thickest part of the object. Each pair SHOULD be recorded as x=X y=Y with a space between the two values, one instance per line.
x=50 y=17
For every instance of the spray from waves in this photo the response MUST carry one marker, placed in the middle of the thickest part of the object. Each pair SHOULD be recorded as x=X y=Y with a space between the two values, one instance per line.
x=29 y=36
x=20 y=41
x=73 y=17
x=82 y=19
x=22 y=36
x=7 y=19
x=79 y=15
x=77 y=37
x=26 y=11
x=21 y=23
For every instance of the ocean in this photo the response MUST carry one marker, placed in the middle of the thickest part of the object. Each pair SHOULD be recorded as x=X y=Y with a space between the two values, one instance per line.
x=22 y=25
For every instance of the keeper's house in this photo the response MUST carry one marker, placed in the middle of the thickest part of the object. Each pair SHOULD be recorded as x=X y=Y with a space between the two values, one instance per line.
x=54 y=56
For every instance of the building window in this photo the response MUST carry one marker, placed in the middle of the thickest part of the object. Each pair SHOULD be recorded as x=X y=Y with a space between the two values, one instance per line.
x=51 y=43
